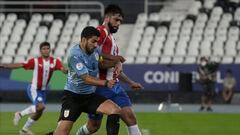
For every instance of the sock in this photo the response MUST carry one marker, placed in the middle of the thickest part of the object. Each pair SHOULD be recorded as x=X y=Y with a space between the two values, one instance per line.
x=28 y=124
x=134 y=130
x=28 y=110
x=112 y=124
x=83 y=130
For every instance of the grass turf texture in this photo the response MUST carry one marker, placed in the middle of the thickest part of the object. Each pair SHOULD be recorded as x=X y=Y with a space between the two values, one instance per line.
x=156 y=123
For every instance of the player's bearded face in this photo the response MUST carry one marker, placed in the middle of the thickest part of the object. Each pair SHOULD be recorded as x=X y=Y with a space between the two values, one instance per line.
x=113 y=29
x=114 y=23
x=45 y=51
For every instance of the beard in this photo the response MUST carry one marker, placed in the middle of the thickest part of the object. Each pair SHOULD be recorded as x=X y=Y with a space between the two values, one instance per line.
x=112 y=29
x=89 y=51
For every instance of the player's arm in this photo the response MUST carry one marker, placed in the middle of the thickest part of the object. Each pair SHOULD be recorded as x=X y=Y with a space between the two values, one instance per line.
x=107 y=63
x=97 y=82
x=12 y=66
x=117 y=58
x=134 y=85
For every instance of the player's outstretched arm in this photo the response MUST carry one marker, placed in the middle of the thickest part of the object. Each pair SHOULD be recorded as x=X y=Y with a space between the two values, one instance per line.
x=97 y=82
x=11 y=66
x=134 y=85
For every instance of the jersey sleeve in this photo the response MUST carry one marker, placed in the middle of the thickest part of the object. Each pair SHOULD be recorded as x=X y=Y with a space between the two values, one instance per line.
x=59 y=65
x=28 y=65
x=77 y=65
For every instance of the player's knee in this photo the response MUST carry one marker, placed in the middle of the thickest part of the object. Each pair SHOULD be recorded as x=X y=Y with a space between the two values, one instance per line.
x=116 y=110
x=40 y=107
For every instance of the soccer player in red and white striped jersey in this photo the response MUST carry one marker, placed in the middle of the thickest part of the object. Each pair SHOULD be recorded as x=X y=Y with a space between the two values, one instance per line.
x=43 y=68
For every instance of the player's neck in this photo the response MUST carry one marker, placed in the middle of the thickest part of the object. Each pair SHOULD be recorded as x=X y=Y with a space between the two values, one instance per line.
x=46 y=58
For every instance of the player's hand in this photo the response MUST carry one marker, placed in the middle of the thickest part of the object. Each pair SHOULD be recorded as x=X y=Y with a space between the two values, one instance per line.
x=120 y=58
x=118 y=69
x=110 y=83
x=136 y=86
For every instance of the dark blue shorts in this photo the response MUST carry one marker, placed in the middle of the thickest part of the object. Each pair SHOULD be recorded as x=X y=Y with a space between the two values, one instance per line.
x=36 y=96
x=117 y=94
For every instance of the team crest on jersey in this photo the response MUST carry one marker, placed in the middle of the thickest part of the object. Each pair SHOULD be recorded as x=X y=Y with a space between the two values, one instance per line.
x=97 y=56
x=66 y=113
x=79 y=66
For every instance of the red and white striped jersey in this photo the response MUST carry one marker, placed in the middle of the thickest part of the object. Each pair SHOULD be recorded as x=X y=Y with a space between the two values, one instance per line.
x=42 y=70
x=107 y=45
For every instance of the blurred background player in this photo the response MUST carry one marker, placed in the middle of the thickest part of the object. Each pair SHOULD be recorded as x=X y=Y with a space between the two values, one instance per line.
x=43 y=68
x=79 y=92
x=229 y=84
x=207 y=78
x=113 y=17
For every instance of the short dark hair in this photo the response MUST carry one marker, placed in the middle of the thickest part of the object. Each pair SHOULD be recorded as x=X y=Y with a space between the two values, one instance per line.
x=113 y=9
x=44 y=44
x=90 y=31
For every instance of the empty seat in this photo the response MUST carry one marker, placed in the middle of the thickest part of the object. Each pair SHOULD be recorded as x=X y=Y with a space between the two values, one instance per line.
x=11 y=17
x=7 y=59
x=19 y=59
x=177 y=60
x=227 y=60
x=48 y=17
x=190 y=60
x=36 y=17
x=140 y=60
x=165 y=60
x=153 y=60
x=73 y=17
x=129 y=59
x=93 y=22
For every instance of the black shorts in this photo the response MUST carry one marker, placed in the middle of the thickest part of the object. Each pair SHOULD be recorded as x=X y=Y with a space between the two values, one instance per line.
x=74 y=104
x=209 y=89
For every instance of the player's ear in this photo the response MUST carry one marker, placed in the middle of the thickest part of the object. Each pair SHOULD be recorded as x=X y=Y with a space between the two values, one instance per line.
x=84 y=40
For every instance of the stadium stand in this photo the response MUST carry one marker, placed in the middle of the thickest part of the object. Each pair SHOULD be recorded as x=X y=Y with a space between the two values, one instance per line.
x=201 y=28
x=20 y=38
x=174 y=35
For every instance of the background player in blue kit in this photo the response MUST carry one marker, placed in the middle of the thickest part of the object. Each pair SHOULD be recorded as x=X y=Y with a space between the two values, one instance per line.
x=79 y=92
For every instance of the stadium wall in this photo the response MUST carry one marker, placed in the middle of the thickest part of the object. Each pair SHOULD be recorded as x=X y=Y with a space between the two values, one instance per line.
x=159 y=81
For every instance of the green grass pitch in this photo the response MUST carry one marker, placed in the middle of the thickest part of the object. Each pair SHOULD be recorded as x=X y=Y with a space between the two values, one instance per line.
x=156 y=123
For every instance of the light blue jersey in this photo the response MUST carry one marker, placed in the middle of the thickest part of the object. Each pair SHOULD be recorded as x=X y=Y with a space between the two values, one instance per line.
x=80 y=63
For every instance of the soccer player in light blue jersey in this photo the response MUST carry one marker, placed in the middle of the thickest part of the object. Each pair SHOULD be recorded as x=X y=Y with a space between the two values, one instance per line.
x=79 y=92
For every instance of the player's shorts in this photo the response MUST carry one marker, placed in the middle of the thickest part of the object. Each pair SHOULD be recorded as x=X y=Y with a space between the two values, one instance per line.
x=36 y=96
x=117 y=94
x=74 y=104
